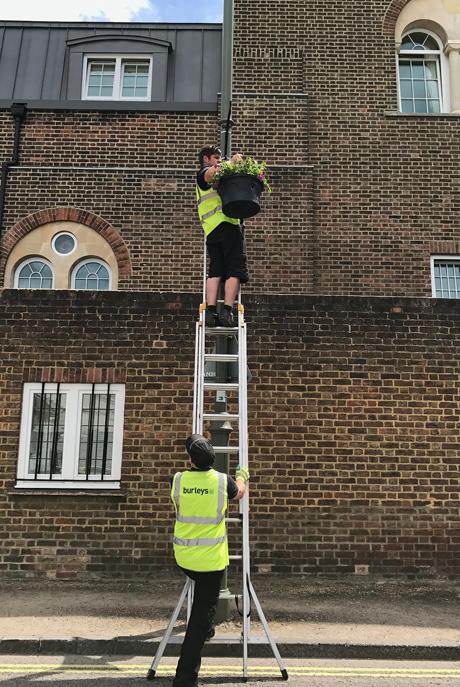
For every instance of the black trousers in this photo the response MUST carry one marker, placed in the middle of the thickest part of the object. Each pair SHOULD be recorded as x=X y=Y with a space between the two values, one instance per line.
x=206 y=595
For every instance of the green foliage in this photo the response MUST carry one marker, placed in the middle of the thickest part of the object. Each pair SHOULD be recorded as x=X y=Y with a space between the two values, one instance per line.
x=245 y=166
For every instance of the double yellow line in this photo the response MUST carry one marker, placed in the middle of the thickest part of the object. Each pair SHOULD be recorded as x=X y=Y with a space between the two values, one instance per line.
x=231 y=671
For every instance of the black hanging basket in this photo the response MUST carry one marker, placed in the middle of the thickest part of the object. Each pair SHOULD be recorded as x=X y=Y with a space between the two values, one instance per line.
x=240 y=194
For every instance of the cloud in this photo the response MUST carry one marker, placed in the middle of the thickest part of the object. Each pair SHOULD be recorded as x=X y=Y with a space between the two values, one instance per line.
x=82 y=10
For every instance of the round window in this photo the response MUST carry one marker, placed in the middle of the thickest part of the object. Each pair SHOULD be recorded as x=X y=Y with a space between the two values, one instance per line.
x=64 y=243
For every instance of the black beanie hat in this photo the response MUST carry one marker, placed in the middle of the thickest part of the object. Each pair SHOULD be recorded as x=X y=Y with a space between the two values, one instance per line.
x=200 y=451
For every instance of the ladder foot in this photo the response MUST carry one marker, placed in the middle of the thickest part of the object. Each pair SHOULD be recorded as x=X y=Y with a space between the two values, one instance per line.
x=284 y=675
x=151 y=674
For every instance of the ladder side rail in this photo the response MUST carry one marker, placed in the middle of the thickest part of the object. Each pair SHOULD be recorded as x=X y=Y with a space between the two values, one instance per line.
x=204 y=268
x=243 y=457
x=243 y=400
x=270 y=639
x=199 y=353
x=195 y=380
x=200 y=373
x=190 y=595
x=169 y=629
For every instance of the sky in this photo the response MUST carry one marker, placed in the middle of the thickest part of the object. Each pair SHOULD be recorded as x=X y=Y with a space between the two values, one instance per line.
x=113 y=10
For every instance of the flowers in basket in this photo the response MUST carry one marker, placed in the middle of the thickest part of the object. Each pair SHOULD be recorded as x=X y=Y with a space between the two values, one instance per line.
x=247 y=165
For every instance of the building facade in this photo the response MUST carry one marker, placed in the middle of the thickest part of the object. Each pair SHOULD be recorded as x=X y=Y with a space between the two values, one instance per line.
x=352 y=306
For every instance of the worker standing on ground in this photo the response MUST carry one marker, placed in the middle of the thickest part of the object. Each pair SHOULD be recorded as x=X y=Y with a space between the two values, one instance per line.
x=200 y=496
x=224 y=241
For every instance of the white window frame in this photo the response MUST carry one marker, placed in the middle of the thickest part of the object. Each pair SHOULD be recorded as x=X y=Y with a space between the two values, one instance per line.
x=441 y=258
x=35 y=258
x=117 y=80
x=442 y=69
x=83 y=262
x=58 y=235
x=70 y=479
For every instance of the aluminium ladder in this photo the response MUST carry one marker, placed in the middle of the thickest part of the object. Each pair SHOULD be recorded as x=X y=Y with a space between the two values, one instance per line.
x=200 y=417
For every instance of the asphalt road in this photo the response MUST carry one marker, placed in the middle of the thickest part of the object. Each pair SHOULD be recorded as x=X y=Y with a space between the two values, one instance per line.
x=86 y=671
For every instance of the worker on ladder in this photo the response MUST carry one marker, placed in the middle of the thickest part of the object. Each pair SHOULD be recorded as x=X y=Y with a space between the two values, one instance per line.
x=200 y=496
x=224 y=241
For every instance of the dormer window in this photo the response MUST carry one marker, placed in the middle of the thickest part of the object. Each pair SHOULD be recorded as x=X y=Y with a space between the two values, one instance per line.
x=117 y=77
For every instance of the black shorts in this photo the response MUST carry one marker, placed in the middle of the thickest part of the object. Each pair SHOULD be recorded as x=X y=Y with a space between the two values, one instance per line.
x=227 y=252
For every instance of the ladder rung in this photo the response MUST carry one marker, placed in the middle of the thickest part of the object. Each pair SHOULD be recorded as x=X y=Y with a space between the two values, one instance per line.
x=221 y=385
x=235 y=558
x=226 y=449
x=233 y=520
x=221 y=330
x=224 y=639
x=221 y=357
x=220 y=416
x=237 y=640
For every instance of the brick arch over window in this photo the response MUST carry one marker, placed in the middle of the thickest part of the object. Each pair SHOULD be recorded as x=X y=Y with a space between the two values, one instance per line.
x=88 y=219
x=393 y=11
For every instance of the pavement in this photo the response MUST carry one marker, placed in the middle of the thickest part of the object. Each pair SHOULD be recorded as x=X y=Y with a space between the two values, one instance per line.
x=308 y=618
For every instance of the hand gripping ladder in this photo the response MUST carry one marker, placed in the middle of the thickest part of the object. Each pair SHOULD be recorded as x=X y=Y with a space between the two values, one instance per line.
x=200 y=418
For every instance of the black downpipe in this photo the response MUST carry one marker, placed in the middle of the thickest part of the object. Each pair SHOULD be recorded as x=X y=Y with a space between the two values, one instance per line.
x=18 y=110
x=228 y=126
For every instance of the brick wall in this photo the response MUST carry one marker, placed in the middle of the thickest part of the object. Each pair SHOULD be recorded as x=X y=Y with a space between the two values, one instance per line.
x=136 y=171
x=6 y=136
x=386 y=187
x=353 y=406
x=352 y=421
x=373 y=194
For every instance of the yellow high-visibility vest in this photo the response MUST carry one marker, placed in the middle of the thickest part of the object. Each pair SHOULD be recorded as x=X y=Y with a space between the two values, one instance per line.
x=200 y=535
x=210 y=210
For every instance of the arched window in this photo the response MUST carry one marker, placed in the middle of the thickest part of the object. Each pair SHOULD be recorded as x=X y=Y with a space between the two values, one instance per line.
x=420 y=82
x=34 y=273
x=91 y=274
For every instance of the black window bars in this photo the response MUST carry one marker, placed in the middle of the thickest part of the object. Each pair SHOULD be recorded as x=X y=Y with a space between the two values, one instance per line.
x=50 y=434
x=95 y=415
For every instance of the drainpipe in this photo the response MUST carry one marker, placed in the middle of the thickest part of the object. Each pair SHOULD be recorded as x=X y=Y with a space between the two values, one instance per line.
x=18 y=110
x=227 y=77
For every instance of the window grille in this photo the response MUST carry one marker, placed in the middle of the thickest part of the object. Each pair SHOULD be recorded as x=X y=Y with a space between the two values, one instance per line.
x=135 y=79
x=96 y=434
x=34 y=274
x=101 y=77
x=91 y=275
x=71 y=433
x=119 y=77
x=45 y=455
x=446 y=278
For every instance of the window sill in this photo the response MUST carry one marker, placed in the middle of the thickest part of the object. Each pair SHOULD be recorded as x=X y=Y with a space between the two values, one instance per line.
x=422 y=115
x=61 y=487
x=40 y=494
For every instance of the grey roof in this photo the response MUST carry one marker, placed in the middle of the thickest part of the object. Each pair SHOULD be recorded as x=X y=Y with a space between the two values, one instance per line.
x=43 y=61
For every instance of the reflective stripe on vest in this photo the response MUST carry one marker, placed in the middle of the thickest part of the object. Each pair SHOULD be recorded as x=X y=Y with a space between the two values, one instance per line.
x=196 y=519
x=214 y=194
x=199 y=542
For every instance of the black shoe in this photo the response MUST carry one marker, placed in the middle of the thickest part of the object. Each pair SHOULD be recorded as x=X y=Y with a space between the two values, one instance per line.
x=211 y=319
x=210 y=634
x=226 y=319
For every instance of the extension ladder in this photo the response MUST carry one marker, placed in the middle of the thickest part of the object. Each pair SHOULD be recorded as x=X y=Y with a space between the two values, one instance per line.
x=240 y=450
